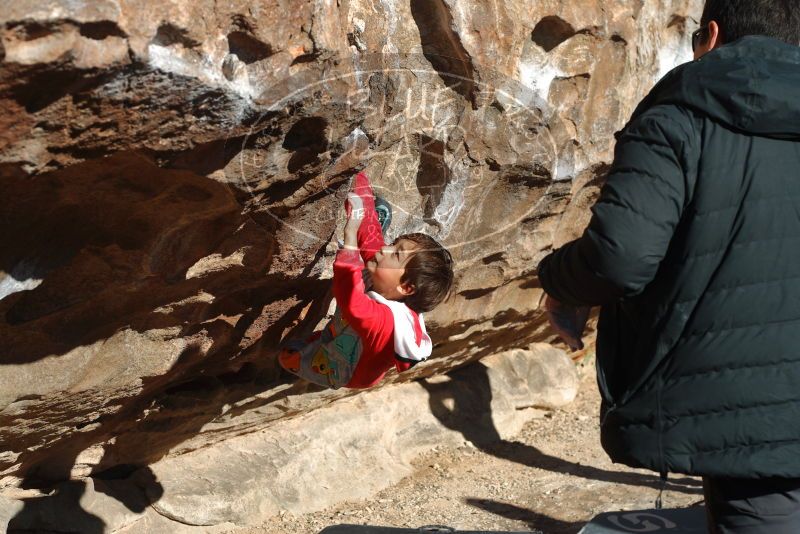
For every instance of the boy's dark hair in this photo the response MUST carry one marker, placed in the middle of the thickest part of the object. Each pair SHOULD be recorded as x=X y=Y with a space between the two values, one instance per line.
x=779 y=19
x=429 y=271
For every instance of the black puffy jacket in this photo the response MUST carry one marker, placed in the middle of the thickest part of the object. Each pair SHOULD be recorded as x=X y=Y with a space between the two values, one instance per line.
x=693 y=251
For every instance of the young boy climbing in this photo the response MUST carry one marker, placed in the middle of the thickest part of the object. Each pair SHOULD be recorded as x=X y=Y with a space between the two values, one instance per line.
x=378 y=322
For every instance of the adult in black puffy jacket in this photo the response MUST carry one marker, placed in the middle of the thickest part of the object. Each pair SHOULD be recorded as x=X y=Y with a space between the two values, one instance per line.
x=693 y=252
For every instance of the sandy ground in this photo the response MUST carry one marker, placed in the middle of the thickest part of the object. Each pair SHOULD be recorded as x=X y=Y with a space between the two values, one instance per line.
x=553 y=478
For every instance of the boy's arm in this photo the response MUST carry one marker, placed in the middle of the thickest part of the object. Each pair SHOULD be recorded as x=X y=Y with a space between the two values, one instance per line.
x=372 y=320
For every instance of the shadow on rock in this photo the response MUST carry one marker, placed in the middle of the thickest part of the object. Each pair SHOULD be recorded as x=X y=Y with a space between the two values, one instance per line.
x=60 y=510
x=94 y=505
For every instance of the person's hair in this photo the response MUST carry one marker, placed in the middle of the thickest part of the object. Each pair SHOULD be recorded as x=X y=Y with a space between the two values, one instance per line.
x=429 y=271
x=779 y=19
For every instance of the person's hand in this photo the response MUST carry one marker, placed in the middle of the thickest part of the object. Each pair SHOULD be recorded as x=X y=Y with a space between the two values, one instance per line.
x=355 y=214
x=568 y=322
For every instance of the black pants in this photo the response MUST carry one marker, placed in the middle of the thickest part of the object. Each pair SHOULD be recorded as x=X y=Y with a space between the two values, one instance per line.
x=762 y=506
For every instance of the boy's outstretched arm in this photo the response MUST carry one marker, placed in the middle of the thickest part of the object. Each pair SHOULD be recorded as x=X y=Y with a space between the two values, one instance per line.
x=371 y=320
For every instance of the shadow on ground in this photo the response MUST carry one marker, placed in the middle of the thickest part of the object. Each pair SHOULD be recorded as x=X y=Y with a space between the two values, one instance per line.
x=534 y=520
x=471 y=415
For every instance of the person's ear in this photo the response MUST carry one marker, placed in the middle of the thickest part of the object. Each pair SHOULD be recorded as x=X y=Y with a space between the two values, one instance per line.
x=406 y=289
x=713 y=40
x=714 y=35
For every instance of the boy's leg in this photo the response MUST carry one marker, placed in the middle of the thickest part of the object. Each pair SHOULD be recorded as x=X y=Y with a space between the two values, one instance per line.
x=289 y=358
x=752 y=506
x=309 y=360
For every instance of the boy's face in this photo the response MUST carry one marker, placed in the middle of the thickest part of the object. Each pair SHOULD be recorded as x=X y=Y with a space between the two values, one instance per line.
x=387 y=268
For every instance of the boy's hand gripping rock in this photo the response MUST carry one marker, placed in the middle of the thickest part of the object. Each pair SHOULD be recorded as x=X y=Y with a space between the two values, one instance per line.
x=354 y=208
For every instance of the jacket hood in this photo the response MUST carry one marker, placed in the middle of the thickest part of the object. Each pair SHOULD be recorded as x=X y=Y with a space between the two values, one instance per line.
x=751 y=85
x=411 y=340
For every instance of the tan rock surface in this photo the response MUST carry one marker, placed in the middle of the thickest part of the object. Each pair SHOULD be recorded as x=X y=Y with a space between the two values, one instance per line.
x=552 y=477
x=350 y=450
x=173 y=174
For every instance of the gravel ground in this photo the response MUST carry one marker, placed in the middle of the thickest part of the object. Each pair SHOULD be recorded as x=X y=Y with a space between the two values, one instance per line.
x=553 y=478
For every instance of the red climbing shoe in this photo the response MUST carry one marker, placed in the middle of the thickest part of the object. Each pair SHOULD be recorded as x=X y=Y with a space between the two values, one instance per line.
x=289 y=360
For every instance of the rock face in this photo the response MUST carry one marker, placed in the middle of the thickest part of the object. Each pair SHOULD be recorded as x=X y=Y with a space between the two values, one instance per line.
x=346 y=451
x=173 y=174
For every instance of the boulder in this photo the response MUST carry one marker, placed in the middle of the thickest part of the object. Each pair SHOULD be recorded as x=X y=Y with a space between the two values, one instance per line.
x=349 y=450
x=173 y=175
